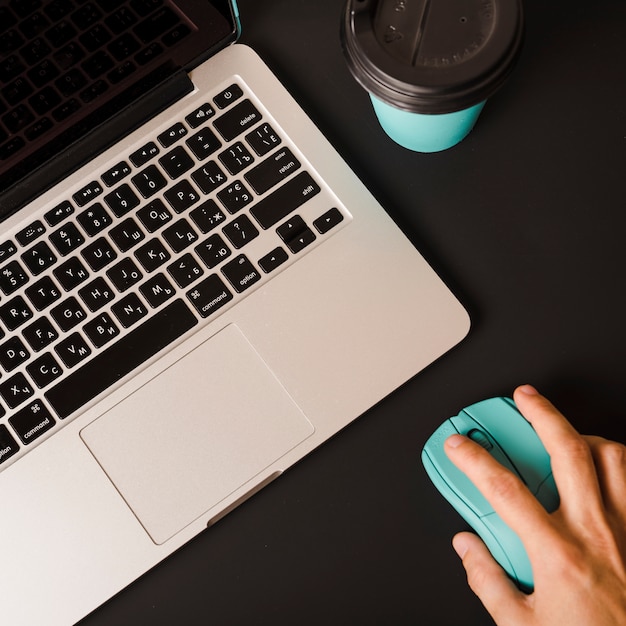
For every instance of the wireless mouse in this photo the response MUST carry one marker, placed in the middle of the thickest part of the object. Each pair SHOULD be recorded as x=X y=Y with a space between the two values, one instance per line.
x=500 y=428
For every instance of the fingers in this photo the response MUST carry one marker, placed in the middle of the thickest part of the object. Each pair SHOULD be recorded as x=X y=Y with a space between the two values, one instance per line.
x=509 y=497
x=570 y=456
x=489 y=582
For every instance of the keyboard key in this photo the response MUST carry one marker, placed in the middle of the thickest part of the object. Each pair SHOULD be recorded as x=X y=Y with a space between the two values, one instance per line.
x=126 y=234
x=240 y=231
x=272 y=171
x=200 y=115
x=121 y=358
x=43 y=293
x=144 y=154
x=154 y=215
x=87 y=193
x=16 y=390
x=32 y=421
x=209 y=295
x=329 y=220
x=30 y=233
x=273 y=259
x=101 y=330
x=40 y=334
x=124 y=274
x=185 y=270
x=96 y=294
x=180 y=235
x=113 y=175
x=203 y=143
x=129 y=310
x=71 y=273
x=228 y=96
x=181 y=196
x=59 y=213
x=15 y=312
x=44 y=370
x=209 y=177
x=152 y=255
x=235 y=197
x=68 y=314
x=7 y=249
x=207 y=216
x=13 y=353
x=72 y=350
x=8 y=445
x=280 y=203
x=157 y=290
x=67 y=239
x=296 y=234
x=99 y=254
x=172 y=135
x=94 y=219
x=39 y=258
x=236 y=158
x=176 y=162
x=241 y=274
x=149 y=181
x=237 y=120
x=12 y=277
x=212 y=251
x=122 y=200
x=263 y=139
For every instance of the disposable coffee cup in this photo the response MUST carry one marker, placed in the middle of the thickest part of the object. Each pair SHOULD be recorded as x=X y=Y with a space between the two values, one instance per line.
x=429 y=66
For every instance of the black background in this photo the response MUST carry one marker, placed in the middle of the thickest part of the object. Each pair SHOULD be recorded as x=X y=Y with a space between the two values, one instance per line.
x=526 y=221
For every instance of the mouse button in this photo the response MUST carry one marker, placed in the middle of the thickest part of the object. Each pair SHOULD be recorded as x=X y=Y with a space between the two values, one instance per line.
x=548 y=494
x=480 y=438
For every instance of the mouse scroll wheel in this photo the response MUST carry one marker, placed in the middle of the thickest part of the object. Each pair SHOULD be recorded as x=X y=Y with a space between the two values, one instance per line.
x=480 y=438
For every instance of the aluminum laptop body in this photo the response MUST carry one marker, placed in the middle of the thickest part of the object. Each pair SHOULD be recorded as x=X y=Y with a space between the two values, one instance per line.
x=303 y=306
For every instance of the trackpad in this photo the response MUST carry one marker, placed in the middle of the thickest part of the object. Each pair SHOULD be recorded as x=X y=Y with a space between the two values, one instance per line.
x=195 y=433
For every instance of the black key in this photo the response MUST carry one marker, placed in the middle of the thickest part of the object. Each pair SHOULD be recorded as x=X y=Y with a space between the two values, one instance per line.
x=13 y=353
x=99 y=254
x=149 y=181
x=19 y=118
x=71 y=273
x=97 y=64
x=72 y=350
x=154 y=215
x=152 y=255
x=66 y=239
x=96 y=294
x=213 y=251
x=69 y=84
x=144 y=154
x=176 y=162
x=200 y=115
x=157 y=290
x=113 y=175
x=39 y=258
x=240 y=231
x=122 y=200
x=40 y=334
x=263 y=139
x=43 y=293
x=12 y=277
x=124 y=46
x=44 y=370
x=228 y=96
x=181 y=196
x=7 y=249
x=59 y=213
x=273 y=259
x=30 y=233
x=329 y=220
x=235 y=196
x=15 y=312
x=101 y=330
x=293 y=194
x=180 y=235
x=124 y=274
x=296 y=234
x=209 y=177
x=32 y=421
x=209 y=295
x=126 y=234
x=44 y=101
x=121 y=358
x=172 y=135
x=43 y=73
x=68 y=313
x=272 y=171
x=237 y=120
x=207 y=216
x=185 y=270
x=129 y=310
x=66 y=109
x=8 y=445
x=241 y=274
x=94 y=219
x=16 y=390
x=87 y=193
x=236 y=158
x=203 y=143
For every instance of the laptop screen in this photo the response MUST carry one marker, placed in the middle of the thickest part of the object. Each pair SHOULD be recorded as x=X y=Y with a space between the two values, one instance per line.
x=77 y=76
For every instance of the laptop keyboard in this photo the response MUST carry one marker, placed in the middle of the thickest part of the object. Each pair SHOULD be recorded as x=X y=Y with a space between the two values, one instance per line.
x=164 y=240
x=57 y=57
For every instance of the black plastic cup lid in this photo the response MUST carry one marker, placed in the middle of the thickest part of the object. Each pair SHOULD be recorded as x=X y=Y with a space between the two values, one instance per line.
x=432 y=56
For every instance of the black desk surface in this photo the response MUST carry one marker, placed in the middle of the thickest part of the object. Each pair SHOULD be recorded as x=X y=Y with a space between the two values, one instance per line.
x=526 y=221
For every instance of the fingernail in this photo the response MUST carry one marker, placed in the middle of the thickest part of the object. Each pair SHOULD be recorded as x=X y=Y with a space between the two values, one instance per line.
x=460 y=546
x=454 y=441
x=529 y=390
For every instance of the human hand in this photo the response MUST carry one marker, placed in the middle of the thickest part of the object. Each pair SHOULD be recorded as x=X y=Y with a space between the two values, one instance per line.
x=578 y=552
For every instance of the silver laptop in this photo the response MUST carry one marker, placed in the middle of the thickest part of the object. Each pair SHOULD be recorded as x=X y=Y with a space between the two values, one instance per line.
x=195 y=292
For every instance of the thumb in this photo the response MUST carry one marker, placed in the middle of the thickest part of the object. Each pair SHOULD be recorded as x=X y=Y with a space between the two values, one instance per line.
x=502 y=599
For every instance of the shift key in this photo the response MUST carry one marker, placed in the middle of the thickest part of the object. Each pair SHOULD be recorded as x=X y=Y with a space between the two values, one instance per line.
x=293 y=194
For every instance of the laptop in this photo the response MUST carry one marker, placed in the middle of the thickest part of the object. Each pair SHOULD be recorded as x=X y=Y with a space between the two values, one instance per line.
x=195 y=291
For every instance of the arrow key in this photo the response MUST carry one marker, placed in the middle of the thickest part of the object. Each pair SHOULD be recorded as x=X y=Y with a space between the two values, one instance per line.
x=272 y=260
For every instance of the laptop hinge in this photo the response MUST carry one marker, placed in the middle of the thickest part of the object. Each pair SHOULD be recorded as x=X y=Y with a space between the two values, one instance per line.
x=161 y=88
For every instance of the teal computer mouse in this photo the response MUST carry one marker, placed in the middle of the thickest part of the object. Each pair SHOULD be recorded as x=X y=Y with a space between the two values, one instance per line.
x=500 y=428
